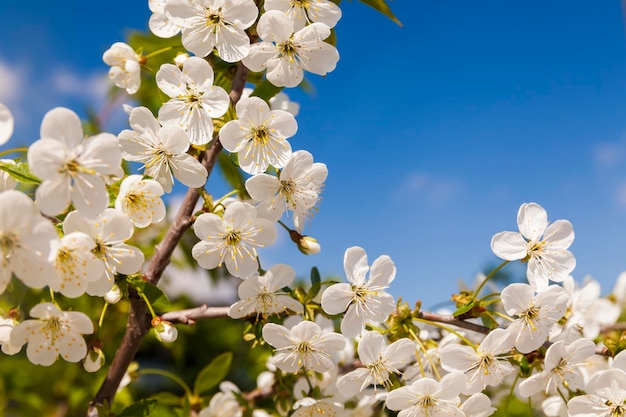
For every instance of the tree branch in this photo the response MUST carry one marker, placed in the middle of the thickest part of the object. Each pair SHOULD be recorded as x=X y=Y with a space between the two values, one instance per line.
x=190 y=316
x=139 y=320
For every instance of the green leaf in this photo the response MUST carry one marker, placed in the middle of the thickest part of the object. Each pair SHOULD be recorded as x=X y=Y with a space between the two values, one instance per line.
x=139 y=409
x=265 y=90
x=316 y=284
x=213 y=373
x=20 y=172
x=157 y=298
x=383 y=7
x=463 y=309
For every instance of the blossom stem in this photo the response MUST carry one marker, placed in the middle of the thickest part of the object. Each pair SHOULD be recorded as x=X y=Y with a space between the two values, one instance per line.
x=145 y=298
x=167 y=374
x=101 y=320
x=157 y=52
x=219 y=202
x=12 y=151
x=284 y=226
x=423 y=348
x=488 y=277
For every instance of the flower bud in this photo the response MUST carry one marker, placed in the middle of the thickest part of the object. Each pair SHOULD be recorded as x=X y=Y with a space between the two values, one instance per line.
x=114 y=295
x=165 y=331
x=306 y=244
x=180 y=59
x=94 y=360
x=309 y=245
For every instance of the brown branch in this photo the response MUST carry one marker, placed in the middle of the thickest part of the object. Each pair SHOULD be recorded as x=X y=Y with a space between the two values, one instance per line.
x=139 y=320
x=442 y=318
x=190 y=316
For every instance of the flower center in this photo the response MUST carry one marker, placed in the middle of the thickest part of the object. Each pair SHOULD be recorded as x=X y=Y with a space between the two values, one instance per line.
x=530 y=315
x=299 y=3
x=617 y=410
x=233 y=237
x=426 y=402
x=260 y=136
x=287 y=49
x=287 y=187
x=214 y=18
x=100 y=250
x=8 y=242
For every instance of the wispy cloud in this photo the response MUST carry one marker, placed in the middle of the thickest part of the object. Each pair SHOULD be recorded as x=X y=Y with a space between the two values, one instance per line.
x=11 y=82
x=93 y=86
x=434 y=190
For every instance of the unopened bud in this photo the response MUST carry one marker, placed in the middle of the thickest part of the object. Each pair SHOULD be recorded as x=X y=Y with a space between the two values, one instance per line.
x=165 y=331
x=114 y=295
x=94 y=360
x=180 y=59
x=306 y=244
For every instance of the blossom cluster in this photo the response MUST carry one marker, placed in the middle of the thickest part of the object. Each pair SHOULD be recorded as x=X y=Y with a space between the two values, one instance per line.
x=347 y=348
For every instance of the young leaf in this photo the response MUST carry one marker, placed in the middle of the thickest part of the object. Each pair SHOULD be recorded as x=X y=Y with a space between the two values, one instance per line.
x=266 y=90
x=232 y=175
x=20 y=172
x=383 y=7
x=157 y=298
x=139 y=409
x=213 y=373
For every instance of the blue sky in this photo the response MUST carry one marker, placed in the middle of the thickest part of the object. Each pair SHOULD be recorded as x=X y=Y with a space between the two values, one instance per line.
x=434 y=133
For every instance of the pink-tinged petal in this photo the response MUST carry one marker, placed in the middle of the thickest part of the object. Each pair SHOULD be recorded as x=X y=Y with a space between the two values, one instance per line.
x=63 y=125
x=355 y=265
x=258 y=55
x=319 y=57
x=516 y=298
x=53 y=196
x=275 y=26
x=532 y=220
x=188 y=170
x=382 y=272
x=509 y=246
x=337 y=298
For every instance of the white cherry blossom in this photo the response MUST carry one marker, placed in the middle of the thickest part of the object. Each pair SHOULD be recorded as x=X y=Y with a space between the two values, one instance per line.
x=219 y=24
x=287 y=53
x=365 y=299
x=536 y=313
x=125 y=66
x=140 y=200
x=52 y=333
x=259 y=135
x=6 y=124
x=233 y=239
x=543 y=245
x=380 y=360
x=428 y=397
x=606 y=396
x=302 y=12
x=7 y=182
x=108 y=231
x=296 y=188
x=25 y=239
x=264 y=295
x=162 y=150
x=194 y=100
x=484 y=366
x=304 y=346
x=72 y=167
x=562 y=369
x=75 y=265
x=7 y=324
x=159 y=23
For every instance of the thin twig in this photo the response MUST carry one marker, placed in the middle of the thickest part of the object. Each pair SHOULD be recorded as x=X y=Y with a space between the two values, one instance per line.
x=189 y=316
